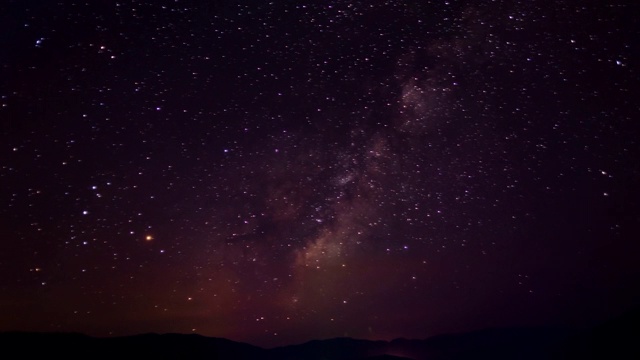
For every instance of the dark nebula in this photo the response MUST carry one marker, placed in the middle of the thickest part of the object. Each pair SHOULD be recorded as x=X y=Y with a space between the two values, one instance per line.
x=275 y=172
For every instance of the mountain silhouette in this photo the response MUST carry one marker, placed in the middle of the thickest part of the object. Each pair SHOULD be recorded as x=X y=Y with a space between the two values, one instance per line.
x=146 y=346
x=615 y=339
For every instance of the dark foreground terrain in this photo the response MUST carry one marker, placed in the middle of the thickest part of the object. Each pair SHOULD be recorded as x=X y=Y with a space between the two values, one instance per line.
x=617 y=339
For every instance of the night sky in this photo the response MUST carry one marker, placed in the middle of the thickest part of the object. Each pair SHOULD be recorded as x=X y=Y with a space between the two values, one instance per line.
x=279 y=171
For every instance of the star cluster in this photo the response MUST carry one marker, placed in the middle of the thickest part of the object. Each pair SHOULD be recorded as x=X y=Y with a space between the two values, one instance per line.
x=274 y=172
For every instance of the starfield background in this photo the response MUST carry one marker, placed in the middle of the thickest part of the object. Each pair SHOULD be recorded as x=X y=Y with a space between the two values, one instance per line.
x=274 y=172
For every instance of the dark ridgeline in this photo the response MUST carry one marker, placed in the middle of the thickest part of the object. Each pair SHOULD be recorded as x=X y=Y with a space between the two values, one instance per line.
x=147 y=346
x=617 y=339
x=387 y=357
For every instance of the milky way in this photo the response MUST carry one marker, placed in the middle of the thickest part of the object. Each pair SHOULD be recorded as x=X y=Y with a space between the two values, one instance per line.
x=275 y=172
